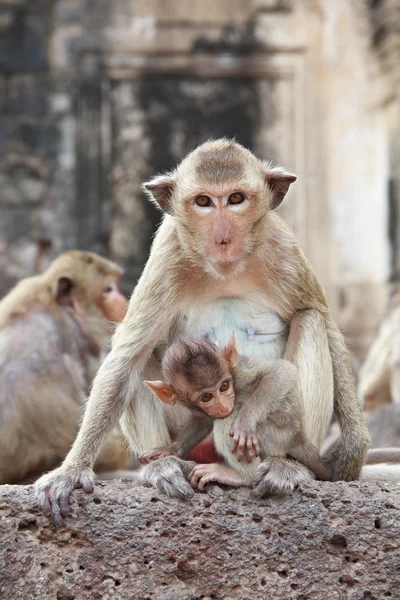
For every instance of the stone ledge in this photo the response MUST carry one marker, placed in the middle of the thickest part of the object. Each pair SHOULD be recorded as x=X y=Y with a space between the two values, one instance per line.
x=327 y=541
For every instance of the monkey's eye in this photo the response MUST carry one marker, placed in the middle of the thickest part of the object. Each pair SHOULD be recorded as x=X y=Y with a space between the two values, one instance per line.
x=236 y=198
x=224 y=387
x=206 y=397
x=203 y=201
x=110 y=288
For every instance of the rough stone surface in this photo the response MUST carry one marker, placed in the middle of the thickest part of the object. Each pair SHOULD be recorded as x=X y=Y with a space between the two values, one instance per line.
x=327 y=541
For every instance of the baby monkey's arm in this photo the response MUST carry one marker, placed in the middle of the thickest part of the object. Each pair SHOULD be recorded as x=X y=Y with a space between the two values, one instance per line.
x=260 y=389
x=192 y=433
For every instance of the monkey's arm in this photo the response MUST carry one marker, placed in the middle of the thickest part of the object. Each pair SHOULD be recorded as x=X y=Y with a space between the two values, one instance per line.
x=267 y=385
x=194 y=432
x=150 y=316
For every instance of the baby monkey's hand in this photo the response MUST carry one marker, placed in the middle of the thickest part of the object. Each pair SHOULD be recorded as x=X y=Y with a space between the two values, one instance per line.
x=147 y=458
x=244 y=440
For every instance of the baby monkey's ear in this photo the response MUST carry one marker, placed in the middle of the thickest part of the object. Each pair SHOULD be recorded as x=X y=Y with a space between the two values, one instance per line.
x=230 y=351
x=163 y=390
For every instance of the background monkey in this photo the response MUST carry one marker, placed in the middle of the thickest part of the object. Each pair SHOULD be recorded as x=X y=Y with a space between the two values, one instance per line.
x=380 y=374
x=223 y=261
x=258 y=403
x=52 y=327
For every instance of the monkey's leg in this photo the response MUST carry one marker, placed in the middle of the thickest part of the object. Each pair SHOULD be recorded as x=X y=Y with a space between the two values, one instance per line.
x=325 y=374
x=170 y=475
x=346 y=457
x=308 y=349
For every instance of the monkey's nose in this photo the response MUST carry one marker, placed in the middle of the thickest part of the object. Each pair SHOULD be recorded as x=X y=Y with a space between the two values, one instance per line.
x=224 y=242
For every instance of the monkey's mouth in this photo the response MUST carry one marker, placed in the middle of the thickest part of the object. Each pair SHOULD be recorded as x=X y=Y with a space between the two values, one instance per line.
x=225 y=262
x=224 y=414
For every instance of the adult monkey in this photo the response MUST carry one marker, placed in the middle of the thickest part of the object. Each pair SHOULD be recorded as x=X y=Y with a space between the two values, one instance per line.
x=221 y=262
x=52 y=327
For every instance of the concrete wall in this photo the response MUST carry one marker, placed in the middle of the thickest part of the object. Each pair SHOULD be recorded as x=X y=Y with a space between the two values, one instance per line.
x=97 y=96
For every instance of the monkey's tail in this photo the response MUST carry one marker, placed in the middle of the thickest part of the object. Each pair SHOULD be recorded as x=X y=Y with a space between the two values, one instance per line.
x=383 y=455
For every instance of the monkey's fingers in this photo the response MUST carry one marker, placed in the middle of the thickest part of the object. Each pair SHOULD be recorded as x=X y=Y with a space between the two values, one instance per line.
x=65 y=507
x=55 y=512
x=241 y=448
x=249 y=450
x=195 y=474
x=256 y=446
x=204 y=480
x=49 y=505
x=149 y=456
x=252 y=448
x=44 y=500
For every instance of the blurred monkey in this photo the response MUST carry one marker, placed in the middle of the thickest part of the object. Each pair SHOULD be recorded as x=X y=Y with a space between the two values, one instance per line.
x=52 y=327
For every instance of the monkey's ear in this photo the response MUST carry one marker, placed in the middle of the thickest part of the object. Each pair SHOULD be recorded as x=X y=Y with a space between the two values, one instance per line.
x=163 y=390
x=279 y=181
x=159 y=190
x=63 y=291
x=230 y=351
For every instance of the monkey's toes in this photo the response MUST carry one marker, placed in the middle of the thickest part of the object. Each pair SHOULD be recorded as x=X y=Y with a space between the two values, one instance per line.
x=278 y=477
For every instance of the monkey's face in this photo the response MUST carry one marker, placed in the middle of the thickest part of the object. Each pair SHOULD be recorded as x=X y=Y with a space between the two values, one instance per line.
x=113 y=304
x=220 y=196
x=88 y=284
x=222 y=226
x=216 y=401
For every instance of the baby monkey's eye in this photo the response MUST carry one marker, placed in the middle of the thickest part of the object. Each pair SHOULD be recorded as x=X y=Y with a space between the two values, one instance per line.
x=206 y=397
x=236 y=198
x=224 y=387
x=203 y=201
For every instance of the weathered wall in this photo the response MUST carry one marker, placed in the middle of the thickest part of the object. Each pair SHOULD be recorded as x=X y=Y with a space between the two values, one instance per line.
x=328 y=541
x=96 y=96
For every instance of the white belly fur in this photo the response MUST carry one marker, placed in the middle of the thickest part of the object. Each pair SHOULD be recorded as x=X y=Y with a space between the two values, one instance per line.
x=225 y=315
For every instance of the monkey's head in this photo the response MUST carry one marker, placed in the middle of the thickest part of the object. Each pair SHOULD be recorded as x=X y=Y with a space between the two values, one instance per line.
x=219 y=196
x=88 y=284
x=199 y=375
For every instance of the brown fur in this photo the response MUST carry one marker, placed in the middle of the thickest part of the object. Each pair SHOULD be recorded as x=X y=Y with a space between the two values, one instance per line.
x=52 y=328
x=260 y=276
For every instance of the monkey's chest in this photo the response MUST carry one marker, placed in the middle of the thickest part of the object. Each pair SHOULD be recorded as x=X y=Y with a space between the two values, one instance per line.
x=258 y=330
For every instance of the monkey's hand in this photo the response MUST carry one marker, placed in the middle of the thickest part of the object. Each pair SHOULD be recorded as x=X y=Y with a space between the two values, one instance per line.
x=244 y=440
x=53 y=491
x=147 y=458
x=169 y=475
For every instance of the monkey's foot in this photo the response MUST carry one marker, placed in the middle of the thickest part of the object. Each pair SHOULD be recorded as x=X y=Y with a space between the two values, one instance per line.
x=346 y=457
x=277 y=477
x=203 y=474
x=53 y=491
x=168 y=475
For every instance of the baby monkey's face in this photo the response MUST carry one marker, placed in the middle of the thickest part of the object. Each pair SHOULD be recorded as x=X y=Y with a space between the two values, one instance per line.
x=216 y=401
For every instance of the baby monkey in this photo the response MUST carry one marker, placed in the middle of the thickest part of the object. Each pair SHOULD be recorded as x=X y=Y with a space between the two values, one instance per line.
x=253 y=408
